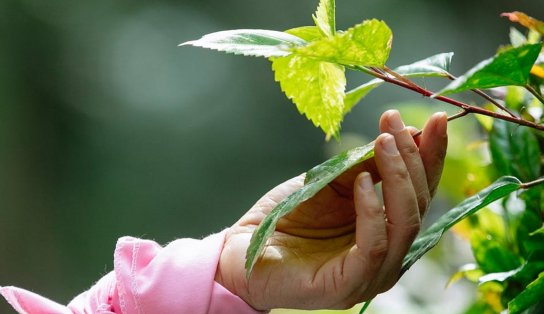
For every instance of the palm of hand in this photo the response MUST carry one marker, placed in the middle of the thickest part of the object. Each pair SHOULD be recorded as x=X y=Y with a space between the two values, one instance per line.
x=305 y=256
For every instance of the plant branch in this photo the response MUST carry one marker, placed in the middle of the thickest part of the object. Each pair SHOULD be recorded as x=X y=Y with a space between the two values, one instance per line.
x=460 y=114
x=365 y=306
x=530 y=184
x=466 y=107
x=400 y=77
x=535 y=93
x=487 y=97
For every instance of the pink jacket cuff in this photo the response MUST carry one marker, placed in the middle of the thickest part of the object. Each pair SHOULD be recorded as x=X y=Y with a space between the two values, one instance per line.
x=148 y=278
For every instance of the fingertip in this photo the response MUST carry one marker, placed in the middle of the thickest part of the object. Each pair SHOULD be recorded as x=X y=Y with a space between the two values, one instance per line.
x=439 y=122
x=390 y=112
x=386 y=144
x=366 y=200
x=364 y=181
x=382 y=138
x=434 y=147
x=435 y=130
x=386 y=118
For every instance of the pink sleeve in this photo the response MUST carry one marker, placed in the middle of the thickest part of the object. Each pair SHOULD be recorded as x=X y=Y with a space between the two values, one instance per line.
x=148 y=278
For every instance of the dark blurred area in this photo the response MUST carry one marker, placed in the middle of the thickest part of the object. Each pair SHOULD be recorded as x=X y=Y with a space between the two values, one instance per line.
x=108 y=129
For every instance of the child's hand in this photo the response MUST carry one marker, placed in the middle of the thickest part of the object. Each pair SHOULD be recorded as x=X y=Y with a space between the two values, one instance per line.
x=342 y=246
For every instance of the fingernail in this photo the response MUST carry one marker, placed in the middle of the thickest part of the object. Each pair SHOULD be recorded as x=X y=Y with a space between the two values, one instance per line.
x=441 y=115
x=394 y=121
x=389 y=144
x=366 y=181
x=442 y=126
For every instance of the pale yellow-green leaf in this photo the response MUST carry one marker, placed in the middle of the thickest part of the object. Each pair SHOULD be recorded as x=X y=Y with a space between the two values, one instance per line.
x=317 y=88
x=324 y=17
x=308 y=33
x=366 y=44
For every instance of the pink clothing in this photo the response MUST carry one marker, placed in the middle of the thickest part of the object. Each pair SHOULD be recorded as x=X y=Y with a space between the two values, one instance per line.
x=148 y=278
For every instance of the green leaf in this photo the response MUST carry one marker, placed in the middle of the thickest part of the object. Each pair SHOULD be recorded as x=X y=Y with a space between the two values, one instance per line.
x=437 y=65
x=515 y=151
x=527 y=272
x=316 y=179
x=430 y=237
x=492 y=255
x=308 y=33
x=250 y=42
x=324 y=17
x=317 y=88
x=501 y=276
x=509 y=67
x=532 y=294
x=538 y=231
x=471 y=272
x=366 y=44
x=355 y=95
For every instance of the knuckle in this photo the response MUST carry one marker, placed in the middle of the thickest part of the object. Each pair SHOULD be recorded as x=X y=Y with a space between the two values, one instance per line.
x=379 y=250
x=409 y=227
x=400 y=174
x=423 y=200
x=413 y=223
x=409 y=150
x=412 y=229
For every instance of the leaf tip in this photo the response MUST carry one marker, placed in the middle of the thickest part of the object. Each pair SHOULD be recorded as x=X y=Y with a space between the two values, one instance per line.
x=249 y=270
x=187 y=43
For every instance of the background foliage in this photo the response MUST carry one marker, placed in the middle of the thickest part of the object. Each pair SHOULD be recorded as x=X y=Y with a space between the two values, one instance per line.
x=108 y=129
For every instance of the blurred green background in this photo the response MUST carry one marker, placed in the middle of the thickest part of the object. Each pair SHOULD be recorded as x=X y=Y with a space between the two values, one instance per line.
x=108 y=129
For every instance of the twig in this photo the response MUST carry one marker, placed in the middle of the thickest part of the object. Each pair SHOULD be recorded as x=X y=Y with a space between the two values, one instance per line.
x=462 y=105
x=399 y=77
x=460 y=114
x=487 y=97
x=535 y=93
x=530 y=184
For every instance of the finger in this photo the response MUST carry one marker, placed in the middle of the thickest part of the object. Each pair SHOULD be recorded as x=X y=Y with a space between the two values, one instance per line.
x=391 y=123
x=365 y=259
x=370 y=235
x=434 y=142
x=401 y=208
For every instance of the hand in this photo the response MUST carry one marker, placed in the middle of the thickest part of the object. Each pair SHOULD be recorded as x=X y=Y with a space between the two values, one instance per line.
x=342 y=246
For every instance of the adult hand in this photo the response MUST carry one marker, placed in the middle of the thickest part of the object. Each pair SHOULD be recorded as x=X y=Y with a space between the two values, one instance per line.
x=342 y=246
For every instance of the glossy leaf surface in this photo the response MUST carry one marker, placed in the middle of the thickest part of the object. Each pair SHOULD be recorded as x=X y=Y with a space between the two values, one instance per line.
x=532 y=294
x=515 y=151
x=430 y=237
x=509 y=67
x=250 y=42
